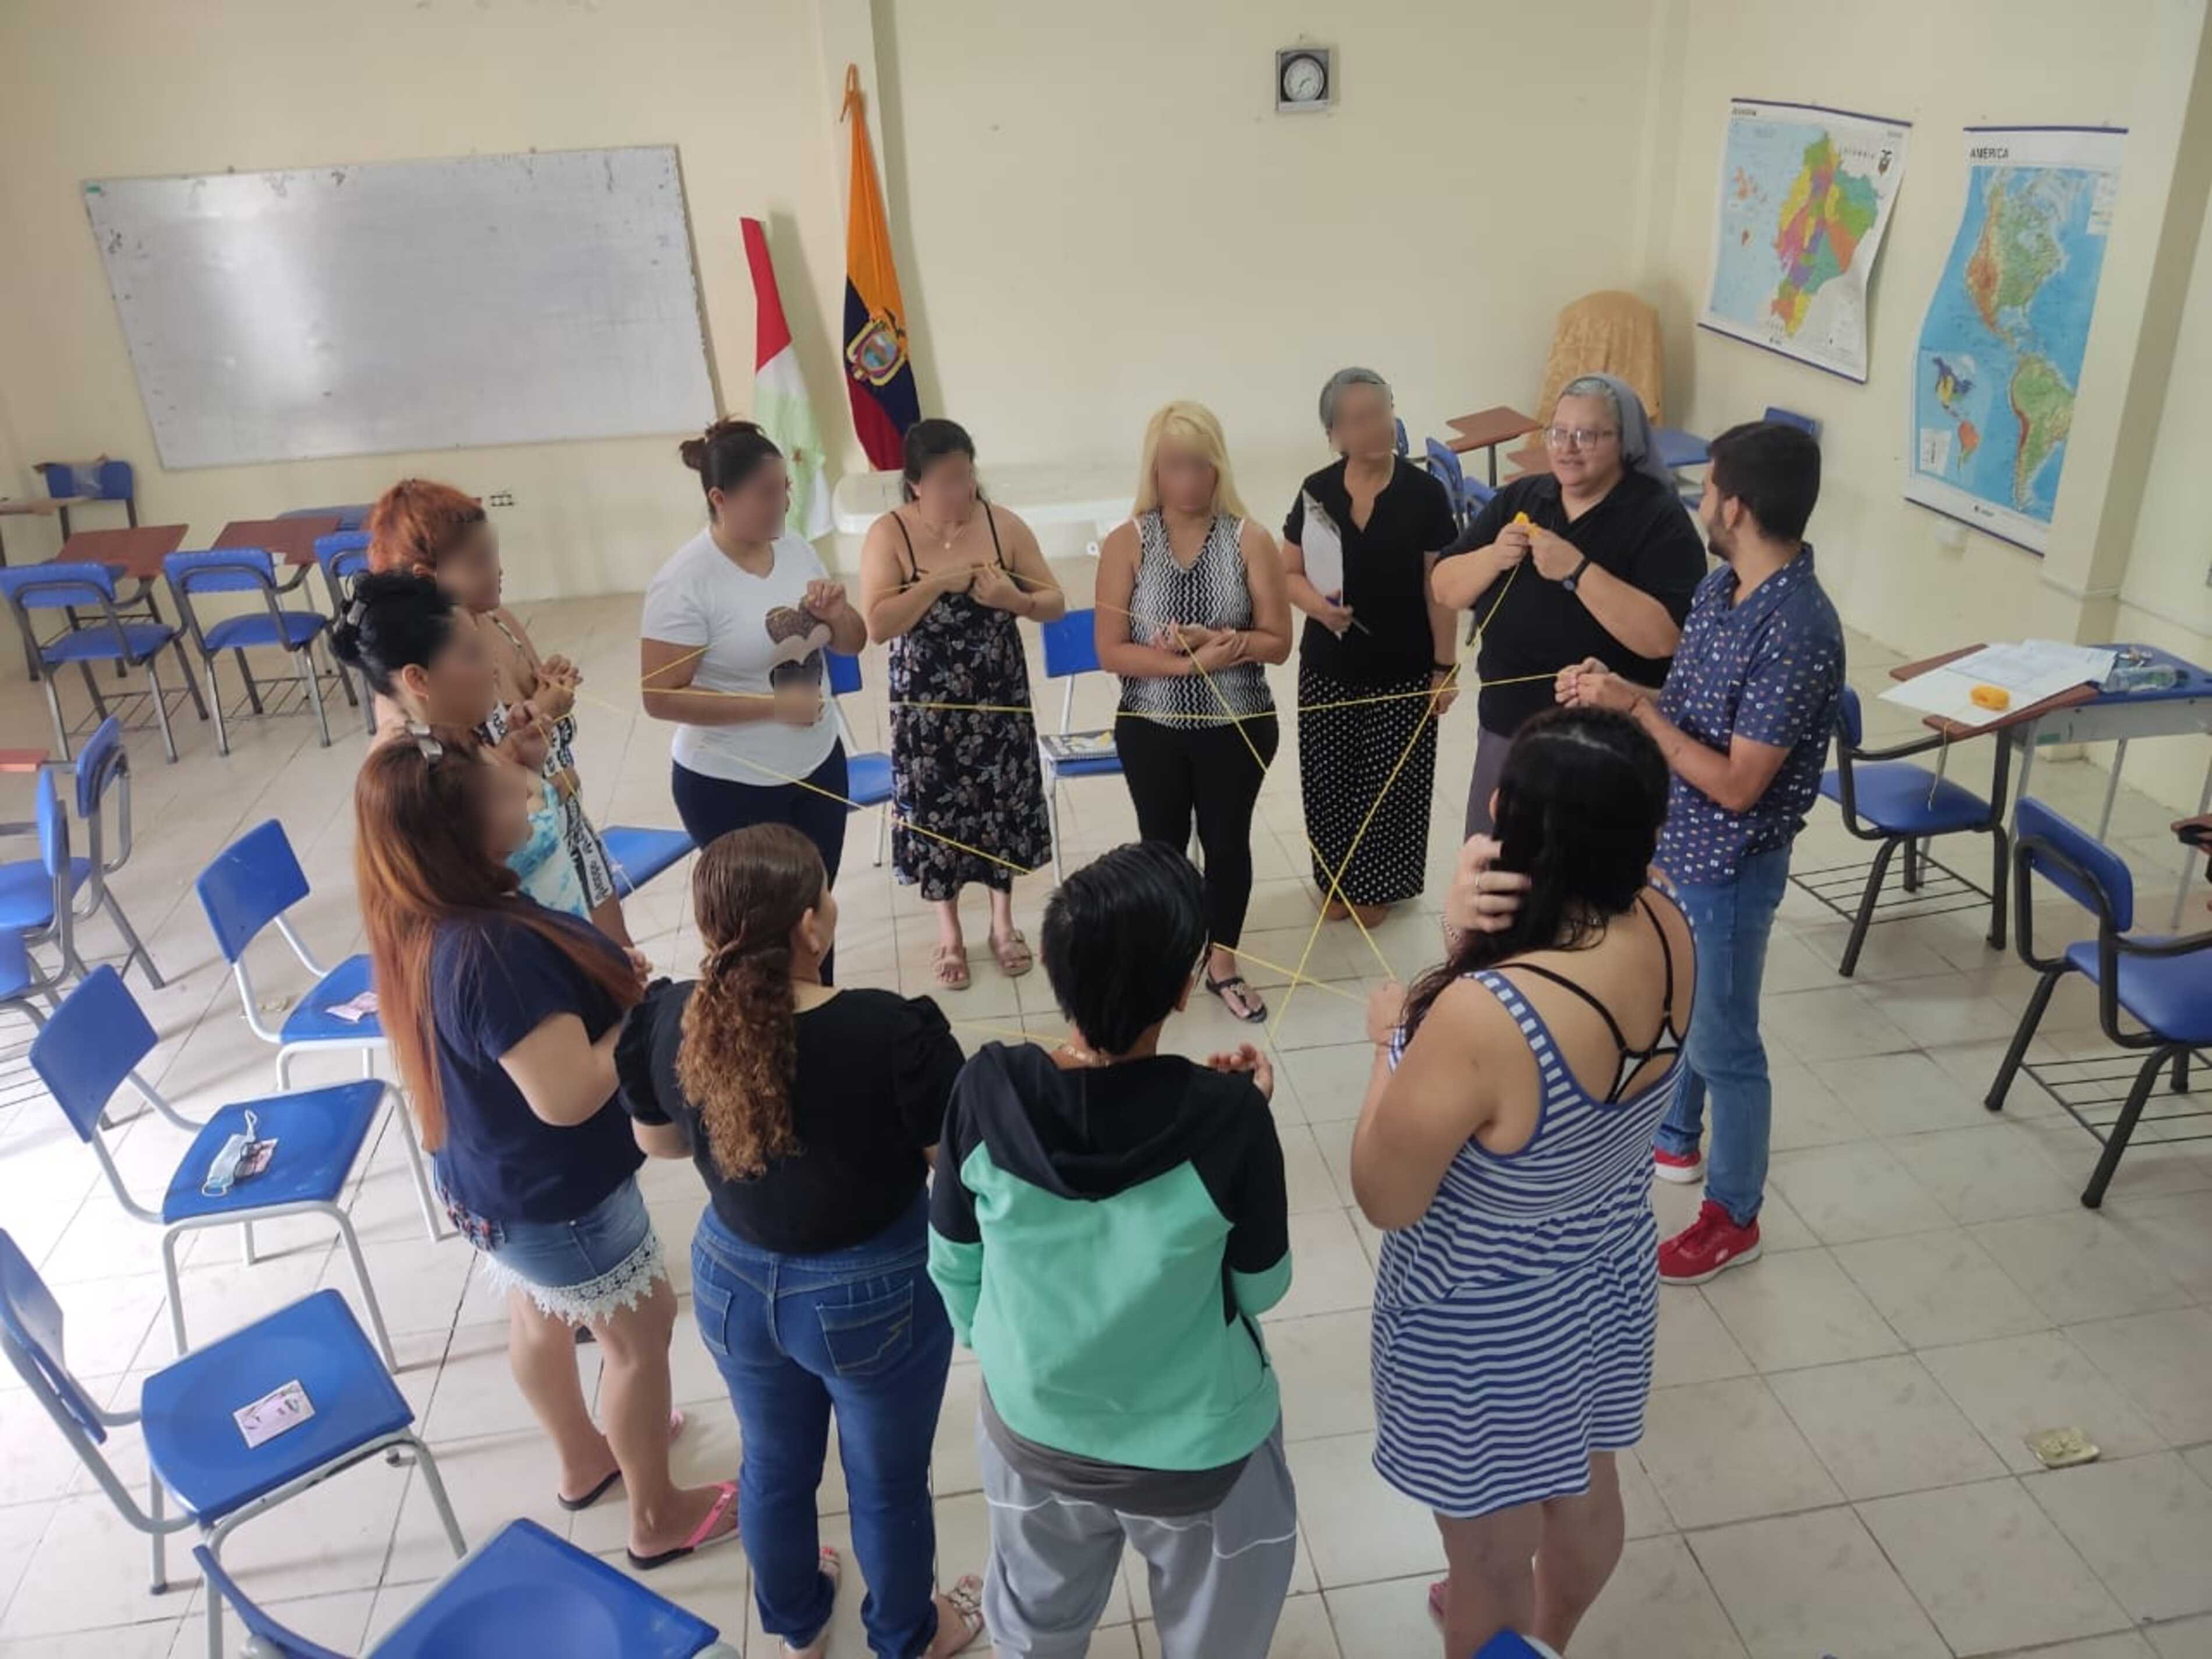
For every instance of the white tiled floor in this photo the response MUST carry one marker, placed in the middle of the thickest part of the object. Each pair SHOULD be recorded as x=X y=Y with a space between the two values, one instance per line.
x=1835 y=1462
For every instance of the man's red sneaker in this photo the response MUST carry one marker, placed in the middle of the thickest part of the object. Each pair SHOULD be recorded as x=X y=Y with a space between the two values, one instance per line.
x=1707 y=1247
x=1680 y=1168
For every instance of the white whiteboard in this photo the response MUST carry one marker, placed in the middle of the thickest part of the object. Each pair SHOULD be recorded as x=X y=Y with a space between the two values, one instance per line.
x=407 y=305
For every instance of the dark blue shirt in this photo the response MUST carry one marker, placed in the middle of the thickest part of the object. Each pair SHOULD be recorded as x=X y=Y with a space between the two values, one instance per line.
x=493 y=981
x=1771 y=670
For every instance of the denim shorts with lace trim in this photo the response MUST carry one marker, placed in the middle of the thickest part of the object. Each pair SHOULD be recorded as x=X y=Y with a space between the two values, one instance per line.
x=580 y=1271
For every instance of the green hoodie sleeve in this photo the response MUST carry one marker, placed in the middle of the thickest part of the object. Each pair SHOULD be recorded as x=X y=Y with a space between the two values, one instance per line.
x=1259 y=1252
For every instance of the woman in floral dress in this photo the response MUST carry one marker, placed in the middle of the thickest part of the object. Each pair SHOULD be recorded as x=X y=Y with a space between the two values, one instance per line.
x=942 y=579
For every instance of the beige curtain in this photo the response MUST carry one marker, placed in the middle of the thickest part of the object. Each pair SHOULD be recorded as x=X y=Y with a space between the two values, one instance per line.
x=1608 y=333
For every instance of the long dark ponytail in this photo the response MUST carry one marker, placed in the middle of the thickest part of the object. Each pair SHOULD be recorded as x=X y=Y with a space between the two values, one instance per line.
x=1579 y=806
x=739 y=1053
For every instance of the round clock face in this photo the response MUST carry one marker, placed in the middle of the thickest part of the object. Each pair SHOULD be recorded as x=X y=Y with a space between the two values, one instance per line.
x=1305 y=80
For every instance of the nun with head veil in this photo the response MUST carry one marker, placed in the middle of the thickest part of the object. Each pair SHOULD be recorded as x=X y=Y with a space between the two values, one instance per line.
x=1597 y=557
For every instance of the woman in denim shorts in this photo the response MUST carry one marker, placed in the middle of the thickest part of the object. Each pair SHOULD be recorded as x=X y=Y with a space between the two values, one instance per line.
x=503 y=1017
x=811 y=1112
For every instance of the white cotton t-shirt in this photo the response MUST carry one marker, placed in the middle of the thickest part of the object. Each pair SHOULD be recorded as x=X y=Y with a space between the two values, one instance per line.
x=753 y=636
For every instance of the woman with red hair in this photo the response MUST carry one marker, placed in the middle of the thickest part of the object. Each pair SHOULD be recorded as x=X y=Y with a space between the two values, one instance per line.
x=503 y=1015
x=435 y=530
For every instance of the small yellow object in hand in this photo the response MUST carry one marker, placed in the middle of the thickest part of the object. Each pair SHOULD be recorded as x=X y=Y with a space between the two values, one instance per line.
x=1520 y=518
x=1990 y=696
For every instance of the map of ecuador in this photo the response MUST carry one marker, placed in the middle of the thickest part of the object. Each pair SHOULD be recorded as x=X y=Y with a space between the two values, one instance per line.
x=2007 y=328
x=1825 y=215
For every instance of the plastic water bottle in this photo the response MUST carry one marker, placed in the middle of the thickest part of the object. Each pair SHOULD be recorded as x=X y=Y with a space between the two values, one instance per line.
x=2136 y=670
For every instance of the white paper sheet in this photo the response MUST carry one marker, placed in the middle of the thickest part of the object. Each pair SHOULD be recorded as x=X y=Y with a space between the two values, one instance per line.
x=2030 y=671
x=1323 y=547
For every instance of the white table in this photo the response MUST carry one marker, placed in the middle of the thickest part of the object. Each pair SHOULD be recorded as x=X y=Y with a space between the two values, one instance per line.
x=1098 y=493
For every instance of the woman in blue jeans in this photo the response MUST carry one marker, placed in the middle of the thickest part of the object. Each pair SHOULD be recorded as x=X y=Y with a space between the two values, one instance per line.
x=811 y=1114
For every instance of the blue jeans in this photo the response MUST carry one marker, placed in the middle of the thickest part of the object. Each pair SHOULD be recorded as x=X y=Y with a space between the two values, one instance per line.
x=860 y=1332
x=1730 y=922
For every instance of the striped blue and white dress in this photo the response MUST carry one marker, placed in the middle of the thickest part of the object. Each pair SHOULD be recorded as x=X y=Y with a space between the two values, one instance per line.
x=1514 y=1322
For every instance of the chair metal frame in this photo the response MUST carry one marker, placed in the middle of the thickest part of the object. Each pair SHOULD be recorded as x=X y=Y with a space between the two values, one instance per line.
x=1052 y=632
x=2084 y=886
x=342 y=557
x=85 y=1425
x=369 y=1046
x=91 y=584
x=56 y=853
x=1850 y=751
x=243 y=1217
x=245 y=569
x=105 y=763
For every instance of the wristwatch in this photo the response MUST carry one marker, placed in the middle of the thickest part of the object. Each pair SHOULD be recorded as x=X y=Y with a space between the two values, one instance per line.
x=1574 y=577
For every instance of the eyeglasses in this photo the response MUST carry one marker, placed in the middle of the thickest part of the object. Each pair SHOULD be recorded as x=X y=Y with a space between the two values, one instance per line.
x=1578 y=437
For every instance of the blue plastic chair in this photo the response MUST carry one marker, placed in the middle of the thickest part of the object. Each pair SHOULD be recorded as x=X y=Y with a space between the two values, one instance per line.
x=342 y=557
x=246 y=890
x=103 y=480
x=247 y=570
x=867 y=772
x=1804 y=423
x=193 y=1446
x=1888 y=799
x=43 y=899
x=1070 y=650
x=2164 y=984
x=103 y=775
x=92 y=1045
x=107 y=637
x=1402 y=444
x=526 y=1591
x=636 y=854
x=1444 y=467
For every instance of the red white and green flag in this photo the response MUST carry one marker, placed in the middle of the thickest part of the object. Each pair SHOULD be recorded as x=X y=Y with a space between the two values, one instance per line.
x=780 y=402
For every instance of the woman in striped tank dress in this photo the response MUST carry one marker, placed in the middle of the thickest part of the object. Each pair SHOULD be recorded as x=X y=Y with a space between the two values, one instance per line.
x=1506 y=1144
x=1191 y=604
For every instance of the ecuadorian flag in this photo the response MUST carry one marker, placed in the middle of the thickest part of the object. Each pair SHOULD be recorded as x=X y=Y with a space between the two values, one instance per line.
x=879 y=376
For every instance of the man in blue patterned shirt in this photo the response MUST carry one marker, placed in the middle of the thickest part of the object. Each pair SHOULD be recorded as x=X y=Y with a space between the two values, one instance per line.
x=1744 y=720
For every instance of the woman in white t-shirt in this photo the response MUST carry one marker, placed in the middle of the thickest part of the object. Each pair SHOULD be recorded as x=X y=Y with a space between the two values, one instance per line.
x=735 y=625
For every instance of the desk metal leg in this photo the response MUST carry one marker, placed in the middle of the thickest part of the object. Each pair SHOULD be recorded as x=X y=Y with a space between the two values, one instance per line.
x=2111 y=789
x=2027 y=736
x=2190 y=855
x=1492 y=452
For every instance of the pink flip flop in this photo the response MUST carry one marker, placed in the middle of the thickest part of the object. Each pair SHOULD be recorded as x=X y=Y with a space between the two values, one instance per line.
x=703 y=1536
x=1437 y=1592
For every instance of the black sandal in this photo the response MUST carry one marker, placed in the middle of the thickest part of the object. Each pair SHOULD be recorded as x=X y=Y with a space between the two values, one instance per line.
x=1221 y=988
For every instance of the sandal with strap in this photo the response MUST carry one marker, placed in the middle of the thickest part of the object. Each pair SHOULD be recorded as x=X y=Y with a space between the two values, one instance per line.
x=832 y=1569
x=966 y=1600
x=1254 y=1009
x=703 y=1536
x=675 y=1421
x=949 y=964
x=1437 y=1592
x=1013 y=954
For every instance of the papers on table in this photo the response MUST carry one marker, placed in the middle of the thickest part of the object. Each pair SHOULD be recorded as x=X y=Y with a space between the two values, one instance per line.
x=2028 y=672
x=1323 y=546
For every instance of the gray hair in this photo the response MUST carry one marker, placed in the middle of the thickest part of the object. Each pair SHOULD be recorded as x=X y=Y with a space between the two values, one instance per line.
x=1594 y=385
x=1343 y=379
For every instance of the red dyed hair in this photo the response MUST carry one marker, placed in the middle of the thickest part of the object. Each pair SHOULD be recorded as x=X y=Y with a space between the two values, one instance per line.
x=420 y=861
x=416 y=523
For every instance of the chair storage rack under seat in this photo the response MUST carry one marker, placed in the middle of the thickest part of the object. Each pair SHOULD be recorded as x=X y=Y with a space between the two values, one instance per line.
x=107 y=638
x=2163 y=985
x=867 y=771
x=527 y=1591
x=196 y=1454
x=1886 y=799
x=94 y=1044
x=1070 y=650
x=249 y=570
x=247 y=889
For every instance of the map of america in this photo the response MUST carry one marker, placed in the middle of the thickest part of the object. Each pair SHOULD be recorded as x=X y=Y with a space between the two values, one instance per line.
x=2001 y=350
x=1805 y=197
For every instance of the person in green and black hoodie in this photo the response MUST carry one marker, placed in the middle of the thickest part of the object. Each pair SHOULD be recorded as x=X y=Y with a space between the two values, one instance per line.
x=1107 y=1223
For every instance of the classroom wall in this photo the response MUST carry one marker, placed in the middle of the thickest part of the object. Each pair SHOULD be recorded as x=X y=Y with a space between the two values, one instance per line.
x=1910 y=578
x=1100 y=209
x=91 y=89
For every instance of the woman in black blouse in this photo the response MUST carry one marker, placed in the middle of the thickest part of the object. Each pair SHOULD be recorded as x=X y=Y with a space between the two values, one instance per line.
x=811 y=1114
x=1370 y=528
